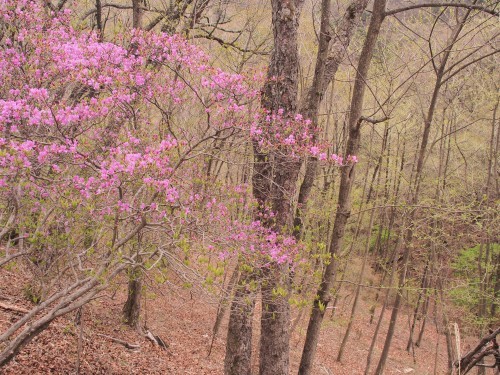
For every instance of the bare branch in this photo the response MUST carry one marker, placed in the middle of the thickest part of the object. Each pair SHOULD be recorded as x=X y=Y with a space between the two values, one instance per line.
x=438 y=5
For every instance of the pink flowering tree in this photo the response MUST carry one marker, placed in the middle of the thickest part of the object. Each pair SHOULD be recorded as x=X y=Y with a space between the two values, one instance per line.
x=99 y=151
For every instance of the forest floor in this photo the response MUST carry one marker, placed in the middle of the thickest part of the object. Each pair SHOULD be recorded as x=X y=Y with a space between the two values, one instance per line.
x=184 y=320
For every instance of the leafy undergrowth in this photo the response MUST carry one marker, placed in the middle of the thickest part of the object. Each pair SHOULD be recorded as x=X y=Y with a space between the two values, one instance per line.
x=184 y=320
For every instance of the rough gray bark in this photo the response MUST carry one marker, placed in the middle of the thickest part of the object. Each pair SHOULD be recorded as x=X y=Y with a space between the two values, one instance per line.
x=274 y=180
x=238 y=358
x=279 y=92
x=347 y=177
x=137 y=14
x=132 y=307
x=275 y=175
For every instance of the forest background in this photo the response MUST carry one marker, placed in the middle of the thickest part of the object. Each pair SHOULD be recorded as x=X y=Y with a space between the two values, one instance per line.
x=246 y=163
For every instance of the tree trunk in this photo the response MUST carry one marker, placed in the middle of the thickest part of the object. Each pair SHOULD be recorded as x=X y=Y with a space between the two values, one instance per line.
x=331 y=52
x=132 y=307
x=366 y=251
x=410 y=343
x=275 y=322
x=358 y=286
x=394 y=316
x=39 y=318
x=274 y=180
x=223 y=305
x=238 y=358
x=137 y=14
x=386 y=299
x=279 y=93
x=344 y=201
x=98 y=19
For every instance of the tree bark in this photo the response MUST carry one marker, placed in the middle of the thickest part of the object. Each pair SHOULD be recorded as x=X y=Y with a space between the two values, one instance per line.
x=238 y=358
x=132 y=307
x=386 y=299
x=344 y=201
x=274 y=180
x=137 y=14
x=366 y=250
x=358 y=286
x=98 y=19
x=279 y=93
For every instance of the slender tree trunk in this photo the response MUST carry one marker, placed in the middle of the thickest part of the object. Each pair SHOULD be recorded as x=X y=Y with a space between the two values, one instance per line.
x=331 y=52
x=425 y=309
x=98 y=19
x=39 y=318
x=386 y=298
x=344 y=201
x=367 y=245
x=394 y=316
x=358 y=287
x=409 y=345
x=222 y=308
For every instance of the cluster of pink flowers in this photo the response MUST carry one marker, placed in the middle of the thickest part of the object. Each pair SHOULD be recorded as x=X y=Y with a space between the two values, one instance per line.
x=86 y=122
x=294 y=137
x=277 y=131
x=260 y=244
x=105 y=128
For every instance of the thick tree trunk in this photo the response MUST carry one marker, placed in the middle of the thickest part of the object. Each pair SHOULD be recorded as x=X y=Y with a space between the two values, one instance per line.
x=132 y=307
x=273 y=181
x=238 y=358
x=275 y=322
x=344 y=201
x=279 y=93
x=137 y=14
